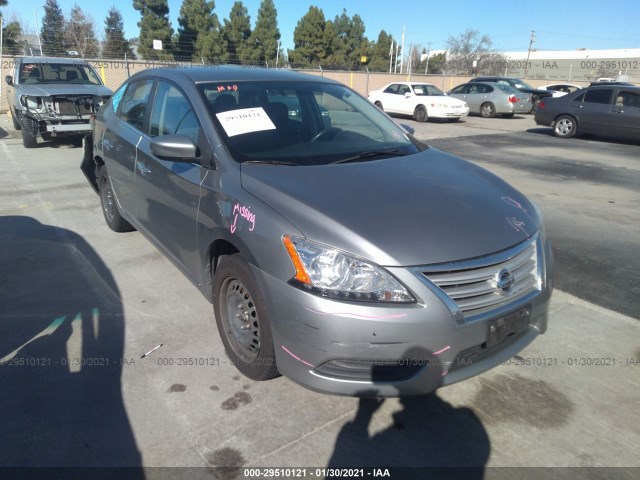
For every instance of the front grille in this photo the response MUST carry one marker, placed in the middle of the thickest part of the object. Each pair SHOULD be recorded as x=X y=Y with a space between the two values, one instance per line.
x=69 y=107
x=475 y=286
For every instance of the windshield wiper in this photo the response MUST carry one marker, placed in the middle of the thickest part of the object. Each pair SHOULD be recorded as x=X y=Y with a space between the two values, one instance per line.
x=272 y=162
x=390 y=152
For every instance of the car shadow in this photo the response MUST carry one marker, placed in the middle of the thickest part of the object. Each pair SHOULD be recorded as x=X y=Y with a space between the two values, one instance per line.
x=61 y=353
x=426 y=433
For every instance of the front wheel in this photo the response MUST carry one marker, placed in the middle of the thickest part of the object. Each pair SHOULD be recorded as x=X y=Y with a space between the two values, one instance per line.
x=421 y=114
x=15 y=116
x=243 y=319
x=109 y=205
x=565 y=127
x=29 y=139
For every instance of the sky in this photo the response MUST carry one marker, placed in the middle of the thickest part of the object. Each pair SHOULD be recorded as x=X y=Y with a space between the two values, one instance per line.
x=559 y=25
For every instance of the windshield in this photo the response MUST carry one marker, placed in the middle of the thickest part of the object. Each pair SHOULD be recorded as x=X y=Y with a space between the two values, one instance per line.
x=302 y=123
x=63 y=73
x=427 y=89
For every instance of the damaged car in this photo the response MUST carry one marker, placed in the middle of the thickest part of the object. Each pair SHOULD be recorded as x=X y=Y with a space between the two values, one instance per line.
x=51 y=96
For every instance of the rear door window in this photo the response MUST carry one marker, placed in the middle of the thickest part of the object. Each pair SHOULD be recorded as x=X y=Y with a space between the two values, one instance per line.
x=602 y=96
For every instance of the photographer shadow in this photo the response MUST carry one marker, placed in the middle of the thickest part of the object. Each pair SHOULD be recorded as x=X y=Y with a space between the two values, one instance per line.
x=61 y=354
x=428 y=437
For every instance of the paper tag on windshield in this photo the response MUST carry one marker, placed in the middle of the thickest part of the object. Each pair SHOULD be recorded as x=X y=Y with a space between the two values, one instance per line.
x=246 y=120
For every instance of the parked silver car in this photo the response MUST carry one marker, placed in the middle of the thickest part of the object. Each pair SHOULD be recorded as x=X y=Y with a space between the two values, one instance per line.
x=336 y=248
x=53 y=96
x=491 y=99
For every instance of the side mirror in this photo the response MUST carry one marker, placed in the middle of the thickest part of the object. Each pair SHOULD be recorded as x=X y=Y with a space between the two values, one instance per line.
x=178 y=148
x=408 y=94
x=9 y=80
x=408 y=128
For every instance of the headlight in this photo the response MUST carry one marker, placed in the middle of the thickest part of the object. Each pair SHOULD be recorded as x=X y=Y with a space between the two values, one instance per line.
x=30 y=102
x=329 y=272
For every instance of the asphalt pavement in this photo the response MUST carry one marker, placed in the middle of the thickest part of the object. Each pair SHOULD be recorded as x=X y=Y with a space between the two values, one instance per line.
x=80 y=305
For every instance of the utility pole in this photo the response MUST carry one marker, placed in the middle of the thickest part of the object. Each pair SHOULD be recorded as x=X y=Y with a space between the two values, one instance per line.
x=426 y=70
x=531 y=42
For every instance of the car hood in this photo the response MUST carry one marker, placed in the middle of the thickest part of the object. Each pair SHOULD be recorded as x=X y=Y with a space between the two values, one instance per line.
x=421 y=209
x=72 y=89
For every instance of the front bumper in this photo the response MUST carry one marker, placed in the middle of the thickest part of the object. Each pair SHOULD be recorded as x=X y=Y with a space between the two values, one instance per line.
x=447 y=112
x=373 y=350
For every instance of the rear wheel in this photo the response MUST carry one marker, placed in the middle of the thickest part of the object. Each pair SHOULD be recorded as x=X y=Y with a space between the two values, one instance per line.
x=420 y=114
x=565 y=127
x=29 y=126
x=488 y=110
x=109 y=206
x=243 y=319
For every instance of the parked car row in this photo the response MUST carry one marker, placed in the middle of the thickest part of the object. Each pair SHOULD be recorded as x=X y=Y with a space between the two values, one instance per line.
x=485 y=96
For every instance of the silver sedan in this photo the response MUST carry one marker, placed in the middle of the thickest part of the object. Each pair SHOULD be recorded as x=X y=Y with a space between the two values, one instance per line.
x=490 y=99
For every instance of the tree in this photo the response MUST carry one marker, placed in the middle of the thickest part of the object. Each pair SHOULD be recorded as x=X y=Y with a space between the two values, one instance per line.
x=11 y=38
x=350 y=41
x=79 y=34
x=467 y=48
x=154 y=25
x=437 y=63
x=264 y=42
x=115 y=44
x=309 y=43
x=11 y=34
x=381 y=53
x=196 y=21
x=235 y=34
x=52 y=32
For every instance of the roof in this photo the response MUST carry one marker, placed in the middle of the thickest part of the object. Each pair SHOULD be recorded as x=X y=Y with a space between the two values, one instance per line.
x=231 y=73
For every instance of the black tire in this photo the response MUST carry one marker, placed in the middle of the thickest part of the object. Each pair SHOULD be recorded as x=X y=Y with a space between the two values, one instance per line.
x=243 y=319
x=29 y=140
x=109 y=205
x=565 y=126
x=488 y=110
x=379 y=105
x=15 y=116
x=420 y=114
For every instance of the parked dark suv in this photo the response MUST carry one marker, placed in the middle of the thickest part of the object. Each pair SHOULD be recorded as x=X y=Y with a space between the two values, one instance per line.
x=53 y=96
x=518 y=84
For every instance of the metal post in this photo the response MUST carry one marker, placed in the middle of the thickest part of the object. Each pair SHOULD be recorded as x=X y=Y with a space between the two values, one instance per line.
x=38 y=31
x=533 y=39
x=426 y=70
x=367 y=85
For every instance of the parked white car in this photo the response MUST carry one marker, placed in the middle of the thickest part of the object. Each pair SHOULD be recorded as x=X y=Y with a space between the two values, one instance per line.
x=561 y=89
x=419 y=100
